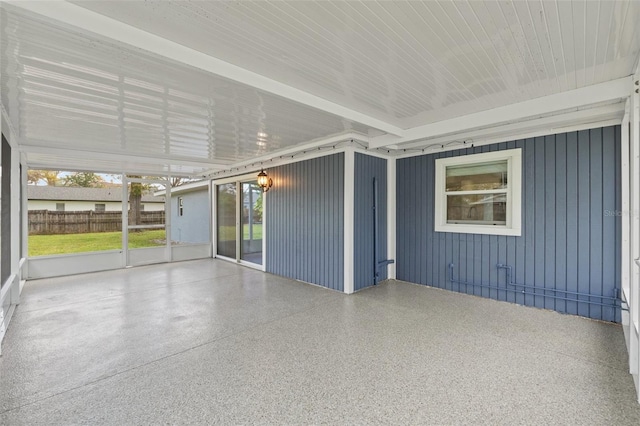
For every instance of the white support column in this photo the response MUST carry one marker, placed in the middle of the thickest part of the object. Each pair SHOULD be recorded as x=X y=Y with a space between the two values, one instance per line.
x=349 y=218
x=2 y=329
x=16 y=182
x=3 y=128
x=391 y=216
x=125 y=220
x=10 y=289
x=212 y=234
x=265 y=231
x=168 y=254
x=213 y=199
x=626 y=260
x=634 y=231
x=24 y=216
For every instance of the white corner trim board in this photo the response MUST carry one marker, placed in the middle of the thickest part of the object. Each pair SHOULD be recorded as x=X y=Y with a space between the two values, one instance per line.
x=349 y=219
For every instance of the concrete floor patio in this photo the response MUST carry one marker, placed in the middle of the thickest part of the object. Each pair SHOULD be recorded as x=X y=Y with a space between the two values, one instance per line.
x=212 y=342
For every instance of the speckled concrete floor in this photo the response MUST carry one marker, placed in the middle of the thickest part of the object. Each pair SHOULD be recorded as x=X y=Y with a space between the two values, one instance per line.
x=212 y=342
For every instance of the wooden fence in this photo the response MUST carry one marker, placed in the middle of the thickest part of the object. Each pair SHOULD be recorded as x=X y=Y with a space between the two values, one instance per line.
x=47 y=222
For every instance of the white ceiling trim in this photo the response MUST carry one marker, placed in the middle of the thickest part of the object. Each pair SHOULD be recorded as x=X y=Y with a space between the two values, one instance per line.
x=336 y=147
x=590 y=95
x=489 y=140
x=551 y=131
x=250 y=170
x=590 y=118
x=591 y=115
x=76 y=156
x=294 y=151
x=87 y=20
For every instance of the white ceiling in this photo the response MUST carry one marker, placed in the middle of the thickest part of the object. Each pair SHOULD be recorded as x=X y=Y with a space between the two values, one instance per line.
x=75 y=86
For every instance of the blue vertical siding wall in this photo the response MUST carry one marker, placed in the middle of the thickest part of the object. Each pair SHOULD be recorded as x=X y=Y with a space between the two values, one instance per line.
x=193 y=225
x=305 y=221
x=570 y=225
x=366 y=169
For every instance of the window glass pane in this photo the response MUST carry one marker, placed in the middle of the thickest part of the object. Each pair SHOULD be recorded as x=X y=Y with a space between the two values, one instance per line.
x=73 y=212
x=226 y=219
x=251 y=249
x=477 y=177
x=477 y=209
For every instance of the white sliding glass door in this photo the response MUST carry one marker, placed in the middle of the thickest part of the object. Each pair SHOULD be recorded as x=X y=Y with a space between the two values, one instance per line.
x=239 y=221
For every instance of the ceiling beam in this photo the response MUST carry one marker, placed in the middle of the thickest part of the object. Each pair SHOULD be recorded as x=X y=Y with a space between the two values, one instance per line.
x=275 y=157
x=493 y=139
x=585 y=96
x=113 y=29
x=82 y=157
x=297 y=149
x=613 y=112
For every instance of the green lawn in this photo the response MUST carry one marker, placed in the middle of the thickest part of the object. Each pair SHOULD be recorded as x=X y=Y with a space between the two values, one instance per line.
x=43 y=245
x=228 y=233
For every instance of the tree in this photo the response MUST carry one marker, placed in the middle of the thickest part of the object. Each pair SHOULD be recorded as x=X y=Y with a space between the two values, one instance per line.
x=84 y=180
x=257 y=208
x=136 y=190
x=177 y=181
x=48 y=176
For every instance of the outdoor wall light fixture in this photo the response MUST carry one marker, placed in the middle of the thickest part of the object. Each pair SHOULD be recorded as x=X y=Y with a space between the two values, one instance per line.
x=264 y=181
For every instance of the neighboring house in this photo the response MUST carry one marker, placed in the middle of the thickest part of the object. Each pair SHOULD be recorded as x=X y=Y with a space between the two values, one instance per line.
x=66 y=198
x=190 y=212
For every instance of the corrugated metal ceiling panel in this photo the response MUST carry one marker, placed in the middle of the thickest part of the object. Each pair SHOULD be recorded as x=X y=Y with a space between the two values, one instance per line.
x=407 y=62
x=67 y=90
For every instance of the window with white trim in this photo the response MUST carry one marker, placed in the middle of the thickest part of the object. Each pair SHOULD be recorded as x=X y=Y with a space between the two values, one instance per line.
x=479 y=193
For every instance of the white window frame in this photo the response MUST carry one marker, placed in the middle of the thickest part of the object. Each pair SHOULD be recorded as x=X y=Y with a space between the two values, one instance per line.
x=514 y=193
